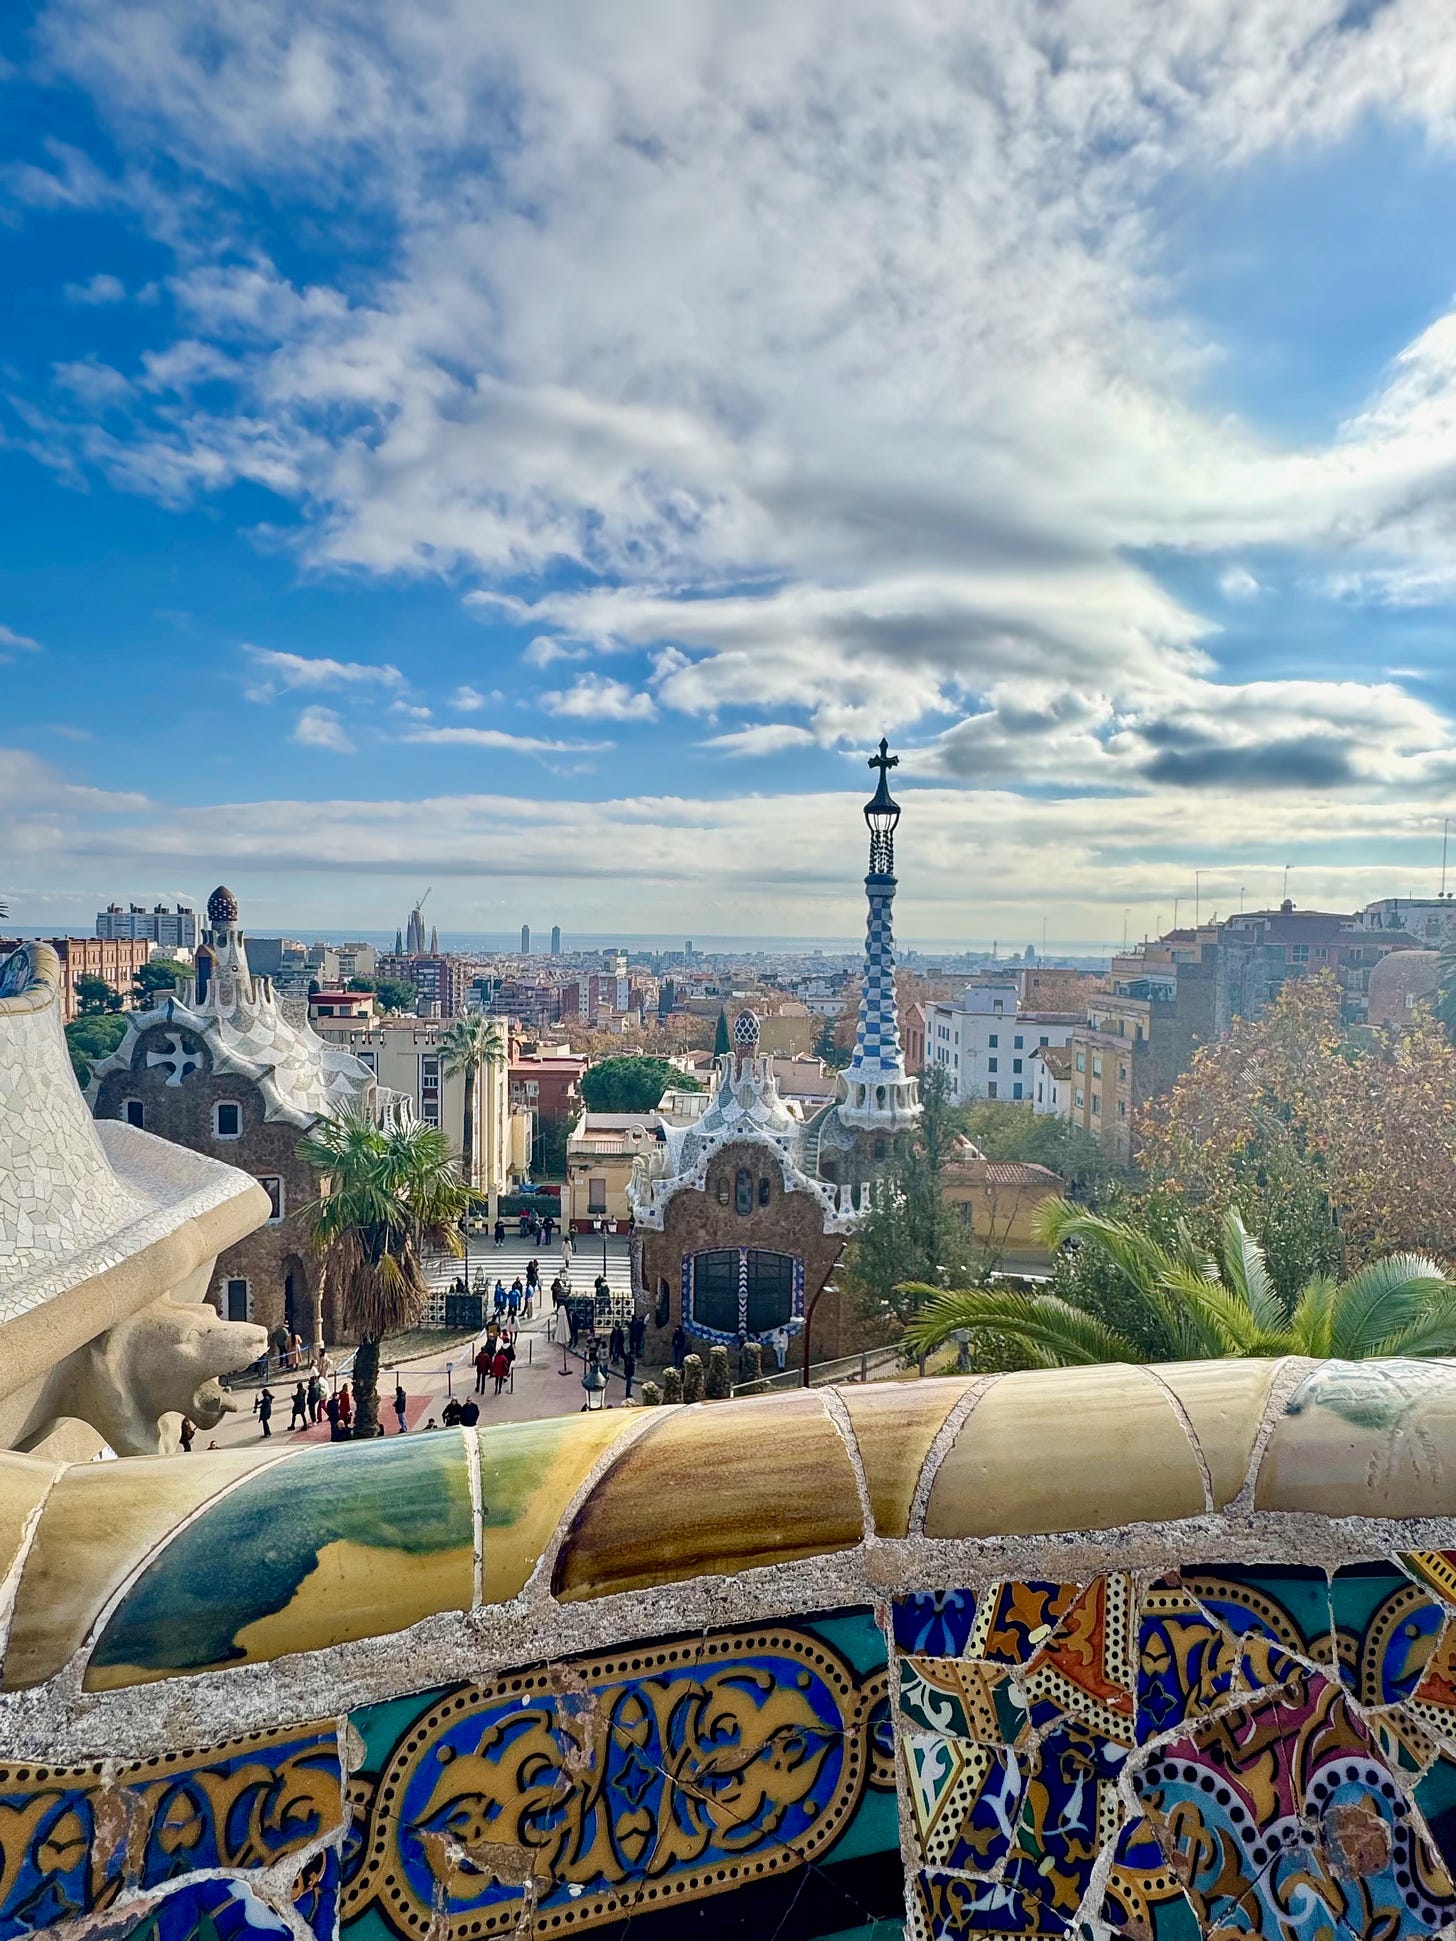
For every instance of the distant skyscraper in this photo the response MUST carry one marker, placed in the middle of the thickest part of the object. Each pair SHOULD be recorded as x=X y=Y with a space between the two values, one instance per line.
x=399 y=943
x=525 y=939
x=556 y=940
x=414 y=931
x=434 y=941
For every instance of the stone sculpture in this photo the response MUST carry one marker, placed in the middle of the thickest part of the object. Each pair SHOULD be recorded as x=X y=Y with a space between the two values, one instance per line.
x=107 y=1241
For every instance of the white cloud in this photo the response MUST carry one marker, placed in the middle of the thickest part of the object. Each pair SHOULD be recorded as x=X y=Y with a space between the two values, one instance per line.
x=13 y=643
x=830 y=351
x=412 y=709
x=1238 y=583
x=974 y=862
x=769 y=738
x=321 y=728
x=596 y=697
x=101 y=288
x=499 y=738
x=285 y=672
x=467 y=700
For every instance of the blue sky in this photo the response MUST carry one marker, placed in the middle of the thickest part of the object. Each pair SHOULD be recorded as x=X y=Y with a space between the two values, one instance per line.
x=539 y=451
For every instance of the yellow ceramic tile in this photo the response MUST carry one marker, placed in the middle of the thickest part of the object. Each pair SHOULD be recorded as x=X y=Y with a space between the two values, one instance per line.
x=24 y=1481
x=529 y=1472
x=1065 y=1449
x=101 y=1523
x=707 y=1492
x=1225 y=1401
x=330 y=1545
x=894 y=1426
x=1366 y=1438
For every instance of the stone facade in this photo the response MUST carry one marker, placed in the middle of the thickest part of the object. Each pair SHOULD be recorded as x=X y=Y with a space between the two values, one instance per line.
x=227 y=1068
x=278 y=1272
x=777 y=1216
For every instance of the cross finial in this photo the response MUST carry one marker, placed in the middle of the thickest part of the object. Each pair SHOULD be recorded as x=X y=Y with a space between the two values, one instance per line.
x=884 y=761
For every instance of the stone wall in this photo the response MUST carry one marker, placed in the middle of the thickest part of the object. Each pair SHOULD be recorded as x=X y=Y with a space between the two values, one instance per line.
x=1160 y=1654
x=267 y=1149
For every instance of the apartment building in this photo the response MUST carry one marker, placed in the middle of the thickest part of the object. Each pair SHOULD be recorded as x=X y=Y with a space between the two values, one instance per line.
x=116 y=959
x=407 y=1055
x=986 y=1043
x=442 y=983
x=170 y=930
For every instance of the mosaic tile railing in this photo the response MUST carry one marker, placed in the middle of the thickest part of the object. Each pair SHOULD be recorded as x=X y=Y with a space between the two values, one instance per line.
x=1110 y=1652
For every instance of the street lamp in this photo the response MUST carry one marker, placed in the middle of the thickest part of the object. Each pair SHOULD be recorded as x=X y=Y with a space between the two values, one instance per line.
x=595 y=1384
x=601 y=1227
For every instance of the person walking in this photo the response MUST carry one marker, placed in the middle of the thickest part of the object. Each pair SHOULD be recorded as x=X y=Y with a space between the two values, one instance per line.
x=637 y=1335
x=298 y=1419
x=469 y=1412
x=500 y=1368
x=629 y=1370
x=500 y=1232
x=331 y=1410
x=315 y=1398
x=346 y=1409
x=482 y=1369
x=679 y=1345
x=616 y=1343
x=263 y=1409
x=400 y=1403
x=450 y=1414
x=188 y=1431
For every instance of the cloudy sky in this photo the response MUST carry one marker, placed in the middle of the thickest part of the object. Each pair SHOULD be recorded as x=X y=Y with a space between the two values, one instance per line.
x=537 y=450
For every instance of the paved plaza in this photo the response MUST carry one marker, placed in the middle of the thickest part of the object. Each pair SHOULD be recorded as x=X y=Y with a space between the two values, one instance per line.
x=537 y=1387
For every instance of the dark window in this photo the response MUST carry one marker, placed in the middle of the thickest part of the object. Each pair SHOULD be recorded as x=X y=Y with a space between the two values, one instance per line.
x=228 y=1119
x=1016 y=1089
x=994 y=1040
x=237 y=1300
x=1016 y=1042
x=770 y=1290
x=1016 y=1064
x=743 y=1191
x=715 y=1290
x=131 y=1111
x=765 y=1191
x=273 y=1187
x=596 y=1196
x=1043 y=1042
x=991 y=1064
x=991 y=1089
x=879 y=1149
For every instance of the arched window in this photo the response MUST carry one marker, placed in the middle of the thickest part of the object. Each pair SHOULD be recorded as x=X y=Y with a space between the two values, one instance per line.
x=743 y=1191
x=765 y=1190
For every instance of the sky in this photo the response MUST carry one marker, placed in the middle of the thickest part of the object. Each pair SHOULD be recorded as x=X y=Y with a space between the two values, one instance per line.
x=536 y=452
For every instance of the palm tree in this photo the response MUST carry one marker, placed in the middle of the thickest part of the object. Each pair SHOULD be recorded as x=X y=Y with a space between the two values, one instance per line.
x=470 y=1045
x=387 y=1198
x=1183 y=1303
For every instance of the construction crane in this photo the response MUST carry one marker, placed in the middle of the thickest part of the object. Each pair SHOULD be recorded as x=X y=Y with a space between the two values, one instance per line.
x=423 y=900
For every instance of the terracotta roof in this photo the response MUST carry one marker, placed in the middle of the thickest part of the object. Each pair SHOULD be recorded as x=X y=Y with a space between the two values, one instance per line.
x=1057 y=1059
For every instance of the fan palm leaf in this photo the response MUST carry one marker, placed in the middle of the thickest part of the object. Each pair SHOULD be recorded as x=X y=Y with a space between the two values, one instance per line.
x=1383 y=1299
x=1057 y=1333
x=1245 y=1269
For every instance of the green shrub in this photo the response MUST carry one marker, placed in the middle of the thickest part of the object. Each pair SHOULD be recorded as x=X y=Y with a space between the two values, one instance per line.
x=692 y=1378
x=719 y=1387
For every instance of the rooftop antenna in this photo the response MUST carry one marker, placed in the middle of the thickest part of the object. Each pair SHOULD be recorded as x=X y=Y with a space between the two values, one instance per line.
x=1125 y=916
x=1197 y=898
x=1284 y=894
x=1176 y=901
x=1241 y=899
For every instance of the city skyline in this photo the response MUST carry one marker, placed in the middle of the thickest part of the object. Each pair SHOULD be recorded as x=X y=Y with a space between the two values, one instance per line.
x=552 y=452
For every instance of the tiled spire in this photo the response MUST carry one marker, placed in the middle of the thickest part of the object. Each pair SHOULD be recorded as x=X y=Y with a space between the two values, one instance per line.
x=880 y=1092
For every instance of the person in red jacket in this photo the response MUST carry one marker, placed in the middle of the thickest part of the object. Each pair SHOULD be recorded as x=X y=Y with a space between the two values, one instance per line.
x=500 y=1368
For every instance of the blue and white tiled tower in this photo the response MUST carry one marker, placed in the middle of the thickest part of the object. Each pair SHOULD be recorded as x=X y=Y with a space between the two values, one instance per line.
x=880 y=1096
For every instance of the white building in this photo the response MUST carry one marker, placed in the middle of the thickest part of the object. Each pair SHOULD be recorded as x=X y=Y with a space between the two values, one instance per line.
x=1051 y=1075
x=167 y=929
x=1431 y=918
x=987 y=1045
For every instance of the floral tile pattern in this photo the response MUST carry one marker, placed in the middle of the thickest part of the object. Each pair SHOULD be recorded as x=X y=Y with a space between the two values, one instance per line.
x=1263 y=1751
